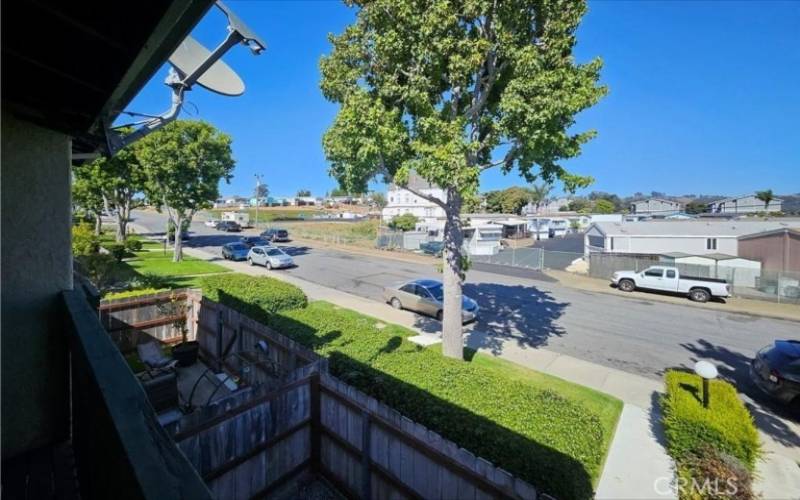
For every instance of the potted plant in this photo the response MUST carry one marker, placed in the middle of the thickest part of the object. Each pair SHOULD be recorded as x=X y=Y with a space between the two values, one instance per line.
x=185 y=352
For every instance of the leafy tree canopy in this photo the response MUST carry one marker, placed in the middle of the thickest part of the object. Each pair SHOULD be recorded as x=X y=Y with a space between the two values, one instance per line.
x=405 y=222
x=184 y=163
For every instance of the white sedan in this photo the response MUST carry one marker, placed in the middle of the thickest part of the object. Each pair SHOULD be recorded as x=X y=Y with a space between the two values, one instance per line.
x=211 y=222
x=269 y=257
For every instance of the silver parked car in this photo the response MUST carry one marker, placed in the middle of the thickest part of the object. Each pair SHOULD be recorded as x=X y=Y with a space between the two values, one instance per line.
x=426 y=296
x=269 y=257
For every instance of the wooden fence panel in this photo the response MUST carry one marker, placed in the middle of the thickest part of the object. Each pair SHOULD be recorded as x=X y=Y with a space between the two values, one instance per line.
x=403 y=459
x=131 y=321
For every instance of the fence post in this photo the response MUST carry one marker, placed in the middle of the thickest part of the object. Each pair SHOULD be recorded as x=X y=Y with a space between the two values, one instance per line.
x=366 y=460
x=316 y=422
x=220 y=328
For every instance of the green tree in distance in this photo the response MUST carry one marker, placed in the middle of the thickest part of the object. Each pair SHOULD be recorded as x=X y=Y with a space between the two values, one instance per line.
x=303 y=193
x=87 y=193
x=405 y=222
x=378 y=198
x=539 y=194
x=184 y=163
x=442 y=87
x=766 y=196
x=122 y=178
x=603 y=206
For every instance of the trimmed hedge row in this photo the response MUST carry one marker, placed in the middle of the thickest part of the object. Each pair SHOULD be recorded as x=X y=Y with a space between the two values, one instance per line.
x=551 y=441
x=715 y=448
x=725 y=425
x=257 y=297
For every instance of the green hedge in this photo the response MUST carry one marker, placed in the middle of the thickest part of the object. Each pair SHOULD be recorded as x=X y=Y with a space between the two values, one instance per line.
x=554 y=442
x=257 y=297
x=725 y=425
x=133 y=293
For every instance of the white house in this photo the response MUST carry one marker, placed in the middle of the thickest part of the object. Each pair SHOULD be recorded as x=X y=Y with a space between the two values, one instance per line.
x=542 y=228
x=746 y=204
x=656 y=206
x=401 y=201
x=658 y=237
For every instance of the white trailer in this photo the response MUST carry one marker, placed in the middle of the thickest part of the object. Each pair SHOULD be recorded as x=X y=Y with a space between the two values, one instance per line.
x=241 y=218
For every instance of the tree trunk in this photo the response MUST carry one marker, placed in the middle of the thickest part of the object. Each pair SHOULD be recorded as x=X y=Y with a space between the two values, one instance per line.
x=177 y=255
x=98 y=224
x=452 y=327
x=122 y=224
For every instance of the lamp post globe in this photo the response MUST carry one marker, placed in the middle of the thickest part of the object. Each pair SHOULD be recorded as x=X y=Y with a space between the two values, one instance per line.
x=707 y=371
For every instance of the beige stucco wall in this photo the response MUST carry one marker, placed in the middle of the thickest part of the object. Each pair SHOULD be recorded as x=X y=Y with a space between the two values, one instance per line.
x=36 y=265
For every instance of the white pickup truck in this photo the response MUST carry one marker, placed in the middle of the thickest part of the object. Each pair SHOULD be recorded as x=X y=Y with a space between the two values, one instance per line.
x=668 y=279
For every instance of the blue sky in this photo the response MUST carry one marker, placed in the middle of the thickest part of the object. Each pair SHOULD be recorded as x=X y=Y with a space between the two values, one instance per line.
x=704 y=96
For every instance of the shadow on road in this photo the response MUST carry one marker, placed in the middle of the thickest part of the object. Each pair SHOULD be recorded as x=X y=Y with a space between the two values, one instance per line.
x=518 y=313
x=770 y=417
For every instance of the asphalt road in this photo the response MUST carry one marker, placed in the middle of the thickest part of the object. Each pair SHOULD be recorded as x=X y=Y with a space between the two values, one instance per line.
x=632 y=334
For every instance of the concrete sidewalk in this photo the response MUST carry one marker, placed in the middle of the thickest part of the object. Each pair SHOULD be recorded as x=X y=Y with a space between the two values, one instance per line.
x=637 y=434
x=736 y=305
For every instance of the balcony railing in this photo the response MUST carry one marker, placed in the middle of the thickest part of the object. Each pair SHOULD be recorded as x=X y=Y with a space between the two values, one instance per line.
x=121 y=451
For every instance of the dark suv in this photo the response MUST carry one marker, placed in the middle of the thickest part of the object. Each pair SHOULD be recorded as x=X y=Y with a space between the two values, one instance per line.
x=776 y=371
x=275 y=235
x=229 y=226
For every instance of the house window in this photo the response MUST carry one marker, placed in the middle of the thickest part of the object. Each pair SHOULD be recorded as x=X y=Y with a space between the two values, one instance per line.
x=711 y=243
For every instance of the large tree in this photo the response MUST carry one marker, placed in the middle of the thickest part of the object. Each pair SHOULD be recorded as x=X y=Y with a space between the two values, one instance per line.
x=121 y=178
x=444 y=87
x=87 y=194
x=184 y=163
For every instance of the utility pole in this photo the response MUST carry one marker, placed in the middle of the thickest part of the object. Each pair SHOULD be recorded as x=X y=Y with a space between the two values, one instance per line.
x=258 y=193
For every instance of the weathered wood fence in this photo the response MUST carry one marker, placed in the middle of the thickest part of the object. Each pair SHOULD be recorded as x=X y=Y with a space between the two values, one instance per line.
x=304 y=420
x=314 y=423
x=134 y=320
x=224 y=332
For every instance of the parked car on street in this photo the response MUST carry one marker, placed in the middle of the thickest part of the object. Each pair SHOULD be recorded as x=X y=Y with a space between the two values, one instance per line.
x=426 y=296
x=212 y=223
x=669 y=279
x=269 y=257
x=235 y=251
x=776 y=371
x=229 y=226
x=434 y=248
x=254 y=241
x=275 y=235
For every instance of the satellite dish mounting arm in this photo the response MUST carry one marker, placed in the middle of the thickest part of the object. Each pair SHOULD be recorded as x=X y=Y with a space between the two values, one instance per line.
x=180 y=83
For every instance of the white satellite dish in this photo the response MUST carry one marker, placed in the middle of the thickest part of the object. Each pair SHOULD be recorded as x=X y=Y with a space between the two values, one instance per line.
x=219 y=77
x=192 y=63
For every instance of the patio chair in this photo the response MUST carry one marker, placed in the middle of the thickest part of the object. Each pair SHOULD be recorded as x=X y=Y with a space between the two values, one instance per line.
x=154 y=359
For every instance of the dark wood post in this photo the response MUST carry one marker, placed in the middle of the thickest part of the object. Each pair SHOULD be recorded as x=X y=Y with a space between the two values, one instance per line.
x=220 y=328
x=366 y=460
x=316 y=422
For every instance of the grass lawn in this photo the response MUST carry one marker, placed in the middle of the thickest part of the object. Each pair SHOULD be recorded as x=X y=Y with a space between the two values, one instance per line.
x=147 y=262
x=552 y=433
x=153 y=261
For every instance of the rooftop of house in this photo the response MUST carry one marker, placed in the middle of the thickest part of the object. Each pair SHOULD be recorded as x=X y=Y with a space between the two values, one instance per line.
x=740 y=197
x=656 y=199
x=694 y=227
